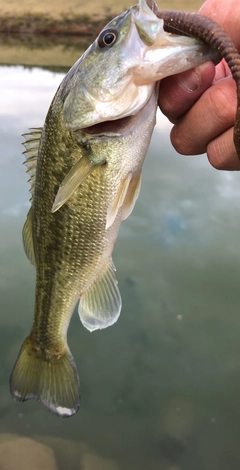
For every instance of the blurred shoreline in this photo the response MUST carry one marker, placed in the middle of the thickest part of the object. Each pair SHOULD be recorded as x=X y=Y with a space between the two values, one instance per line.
x=39 y=24
x=72 y=18
x=56 y=34
x=55 y=52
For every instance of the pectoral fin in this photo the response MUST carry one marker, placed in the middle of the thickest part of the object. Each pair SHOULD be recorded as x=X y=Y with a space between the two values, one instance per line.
x=100 y=306
x=28 y=238
x=132 y=195
x=118 y=201
x=78 y=173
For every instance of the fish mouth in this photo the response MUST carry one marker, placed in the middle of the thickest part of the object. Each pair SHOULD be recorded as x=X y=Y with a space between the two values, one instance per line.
x=127 y=124
x=114 y=127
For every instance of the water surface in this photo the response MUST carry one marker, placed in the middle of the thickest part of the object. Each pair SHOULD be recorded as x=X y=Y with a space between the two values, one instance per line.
x=160 y=389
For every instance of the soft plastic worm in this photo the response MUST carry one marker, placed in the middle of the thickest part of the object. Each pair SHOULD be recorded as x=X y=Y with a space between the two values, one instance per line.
x=205 y=29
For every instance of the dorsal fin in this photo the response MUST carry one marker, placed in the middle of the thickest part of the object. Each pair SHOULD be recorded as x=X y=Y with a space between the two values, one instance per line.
x=28 y=237
x=31 y=144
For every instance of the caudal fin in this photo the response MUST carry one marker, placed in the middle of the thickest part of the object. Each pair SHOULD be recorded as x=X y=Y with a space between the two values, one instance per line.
x=54 y=383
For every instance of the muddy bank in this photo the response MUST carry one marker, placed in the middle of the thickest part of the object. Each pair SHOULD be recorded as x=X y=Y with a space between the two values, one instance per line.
x=39 y=24
x=73 y=18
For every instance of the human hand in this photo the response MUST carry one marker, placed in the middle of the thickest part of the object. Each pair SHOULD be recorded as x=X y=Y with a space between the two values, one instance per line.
x=202 y=102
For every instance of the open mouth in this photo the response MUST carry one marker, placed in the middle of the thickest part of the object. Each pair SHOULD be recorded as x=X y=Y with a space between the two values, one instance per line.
x=108 y=127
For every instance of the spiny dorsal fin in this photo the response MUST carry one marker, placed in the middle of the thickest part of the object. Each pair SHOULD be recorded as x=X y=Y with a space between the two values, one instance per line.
x=78 y=173
x=31 y=145
x=28 y=238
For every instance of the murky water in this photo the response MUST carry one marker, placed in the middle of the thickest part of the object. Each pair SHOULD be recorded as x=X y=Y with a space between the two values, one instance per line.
x=160 y=389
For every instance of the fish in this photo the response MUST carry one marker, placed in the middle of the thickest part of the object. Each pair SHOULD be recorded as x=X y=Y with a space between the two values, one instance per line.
x=85 y=167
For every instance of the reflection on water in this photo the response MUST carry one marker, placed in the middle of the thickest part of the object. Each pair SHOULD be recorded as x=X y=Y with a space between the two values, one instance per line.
x=45 y=51
x=160 y=389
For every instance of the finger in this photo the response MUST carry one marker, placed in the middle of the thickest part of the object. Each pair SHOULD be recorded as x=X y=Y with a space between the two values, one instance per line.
x=212 y=115
x=221 y=152
x=222 y=71
x=226 y=14
x=179 y=92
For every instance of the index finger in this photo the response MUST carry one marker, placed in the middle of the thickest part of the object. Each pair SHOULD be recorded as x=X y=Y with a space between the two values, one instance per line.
x=226 y=14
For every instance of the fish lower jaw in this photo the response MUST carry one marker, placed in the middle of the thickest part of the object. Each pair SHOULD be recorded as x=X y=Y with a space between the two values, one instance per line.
x=123 y=125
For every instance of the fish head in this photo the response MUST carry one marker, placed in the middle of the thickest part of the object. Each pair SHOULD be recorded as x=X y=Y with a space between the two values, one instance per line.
x=117 y=74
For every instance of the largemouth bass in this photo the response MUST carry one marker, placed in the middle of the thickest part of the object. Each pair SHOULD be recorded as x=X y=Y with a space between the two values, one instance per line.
x=85 y=166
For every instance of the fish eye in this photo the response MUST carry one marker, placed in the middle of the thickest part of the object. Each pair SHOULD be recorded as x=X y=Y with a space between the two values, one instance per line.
x=107 y=38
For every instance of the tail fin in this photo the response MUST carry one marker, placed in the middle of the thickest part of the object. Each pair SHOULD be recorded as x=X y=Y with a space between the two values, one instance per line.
x=54 y=383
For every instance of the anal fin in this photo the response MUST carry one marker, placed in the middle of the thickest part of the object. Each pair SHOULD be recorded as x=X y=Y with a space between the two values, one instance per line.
x=100 y=306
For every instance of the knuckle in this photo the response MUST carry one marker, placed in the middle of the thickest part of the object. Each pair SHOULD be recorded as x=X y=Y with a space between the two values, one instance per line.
x=181 y=139
x=223 y=102
x=222 y=154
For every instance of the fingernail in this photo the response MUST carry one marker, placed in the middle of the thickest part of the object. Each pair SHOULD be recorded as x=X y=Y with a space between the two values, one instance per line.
x=191 y=80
